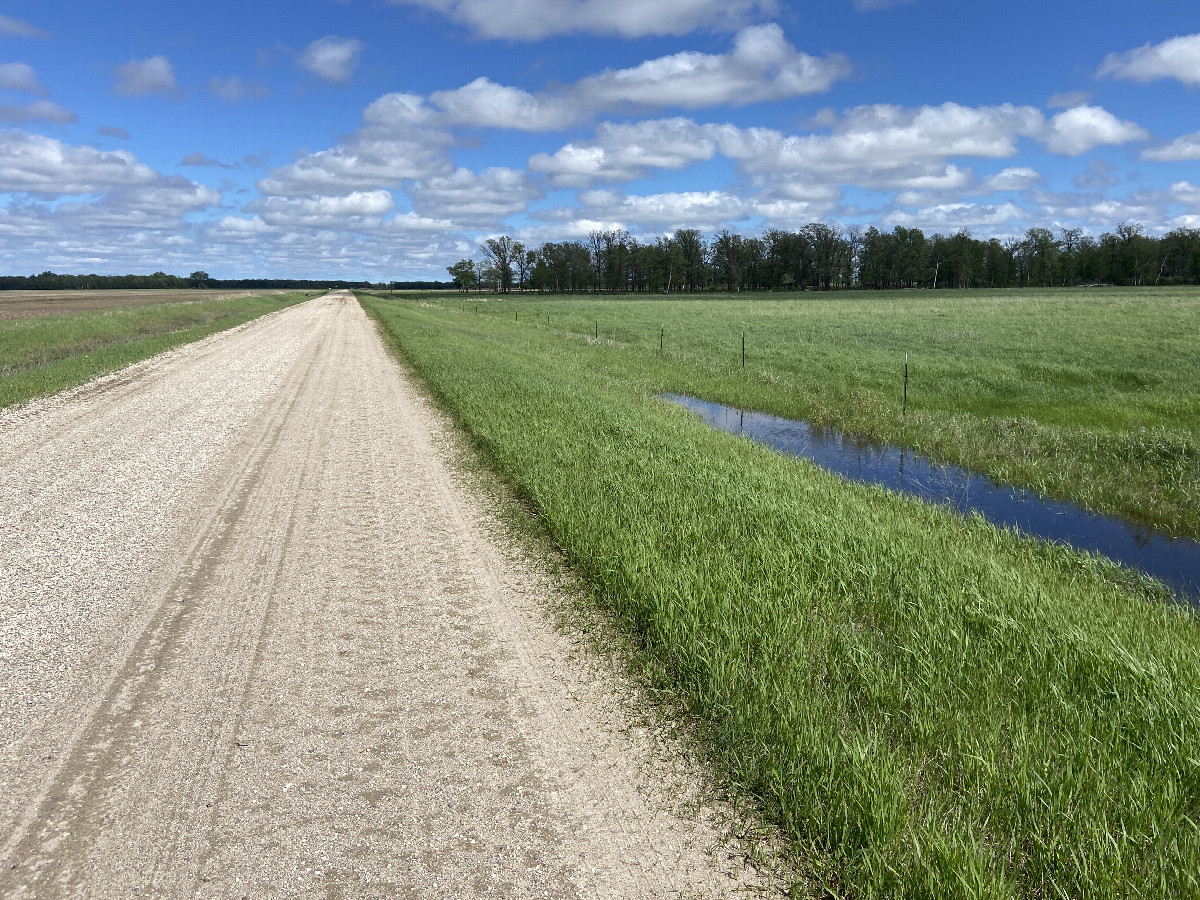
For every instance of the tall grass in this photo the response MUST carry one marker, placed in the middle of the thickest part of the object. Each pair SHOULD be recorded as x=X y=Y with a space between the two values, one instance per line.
x=39 y=356
x=928 y=706
x=1088 y=396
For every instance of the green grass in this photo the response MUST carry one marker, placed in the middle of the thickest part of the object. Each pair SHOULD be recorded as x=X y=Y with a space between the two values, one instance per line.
x=40 y=356
x=1091 y=396
x=926 y=705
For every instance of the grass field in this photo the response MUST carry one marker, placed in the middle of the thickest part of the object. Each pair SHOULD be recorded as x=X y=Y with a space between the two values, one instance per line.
x=928 y=706
x=27 y=304
x=1088 y=396
x=45 y=354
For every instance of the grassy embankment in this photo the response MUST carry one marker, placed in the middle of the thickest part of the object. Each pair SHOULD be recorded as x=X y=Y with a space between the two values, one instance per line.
x=1088 y=396
x=928 y=706
x=39 y=356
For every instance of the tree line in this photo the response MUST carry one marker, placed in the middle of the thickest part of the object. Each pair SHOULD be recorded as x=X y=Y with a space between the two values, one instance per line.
x=826 y=257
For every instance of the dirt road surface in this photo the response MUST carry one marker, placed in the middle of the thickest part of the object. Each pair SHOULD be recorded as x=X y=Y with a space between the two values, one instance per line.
x=256 y=642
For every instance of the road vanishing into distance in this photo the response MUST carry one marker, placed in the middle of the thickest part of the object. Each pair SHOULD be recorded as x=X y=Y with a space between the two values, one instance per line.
x=257 y=638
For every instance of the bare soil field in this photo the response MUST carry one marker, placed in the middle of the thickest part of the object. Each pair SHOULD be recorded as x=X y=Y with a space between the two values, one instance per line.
x=256 y=640
x=29 y=304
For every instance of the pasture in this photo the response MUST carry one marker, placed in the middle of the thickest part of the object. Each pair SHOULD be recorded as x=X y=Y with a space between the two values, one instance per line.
x=42 y=354
x=926 y=705
x=1091 y=396
x=28 y=304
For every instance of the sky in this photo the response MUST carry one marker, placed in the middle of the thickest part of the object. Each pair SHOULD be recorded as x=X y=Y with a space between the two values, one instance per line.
x=384 y=140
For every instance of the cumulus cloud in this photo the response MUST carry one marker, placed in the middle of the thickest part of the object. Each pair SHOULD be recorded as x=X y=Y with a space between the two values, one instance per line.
x=682 y=209
x=485 y=104
x=331 y=58
x=41 y=110
x=143 y=77
x=623 y=152
x=537 y=19
x=1181 y=149
x=1177 y=58
x=78 y=196
x=475 y=200
x=761 y=66
x=44 y=167
x=364 y=162
x=233 y=88
x=1014 y=178
x=885 y=146
x=10 y=27
x=113 y=131
x=950 y=217
x=878 y=146
x=358 y=209
x=1084 y=128
x=19 y=76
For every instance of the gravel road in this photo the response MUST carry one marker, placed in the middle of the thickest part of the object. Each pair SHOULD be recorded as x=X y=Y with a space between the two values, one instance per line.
x=256 y=640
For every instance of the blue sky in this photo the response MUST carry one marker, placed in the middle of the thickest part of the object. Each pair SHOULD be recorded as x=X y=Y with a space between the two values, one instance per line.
x=384 y=139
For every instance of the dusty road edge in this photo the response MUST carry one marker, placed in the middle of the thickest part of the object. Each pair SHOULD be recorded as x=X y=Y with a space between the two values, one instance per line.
x=672 y=763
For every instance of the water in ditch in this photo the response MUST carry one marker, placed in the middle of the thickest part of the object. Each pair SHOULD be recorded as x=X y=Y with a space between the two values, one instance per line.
x=1174 y=561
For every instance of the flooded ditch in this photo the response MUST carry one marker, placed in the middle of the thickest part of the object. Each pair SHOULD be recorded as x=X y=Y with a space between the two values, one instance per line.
x=1174 y=561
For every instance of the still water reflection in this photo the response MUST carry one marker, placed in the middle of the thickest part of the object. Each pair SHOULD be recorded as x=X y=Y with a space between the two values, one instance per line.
x=1173 y=561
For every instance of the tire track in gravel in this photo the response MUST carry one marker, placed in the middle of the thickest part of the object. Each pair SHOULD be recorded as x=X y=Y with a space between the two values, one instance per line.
x=315 y=675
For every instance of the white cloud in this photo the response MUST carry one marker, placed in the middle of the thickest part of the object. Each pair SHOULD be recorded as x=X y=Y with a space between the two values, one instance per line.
x=80 y=196
x=762 y=66
x=240 y=228
x=1098 y=211
x=36 y=164
x=233 y=88
x=1177 y=58
x=886 y=146
x=1185 y=192
x=1014 y=178
x=872 y=5
x=623 y=152
x=950 y=217
x=882 y=147
x=359 y=209
x=331 y=58
x=365 y=162
x=475 y=200
x=1182 y=148
x=1084 y=128
x=40 y=110
x=19 y=76
x=698 y=209
x=485 y=104
x=10 y=27
x=536 y=19
x=142 y=77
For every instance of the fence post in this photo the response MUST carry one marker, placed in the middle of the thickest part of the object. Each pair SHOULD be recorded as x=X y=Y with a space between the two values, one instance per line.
x=904 y=408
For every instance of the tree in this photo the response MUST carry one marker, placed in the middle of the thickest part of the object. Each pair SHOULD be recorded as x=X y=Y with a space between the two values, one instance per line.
x=499 y=253
x=198 y=279
x=464 y=274
x=523 y=260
